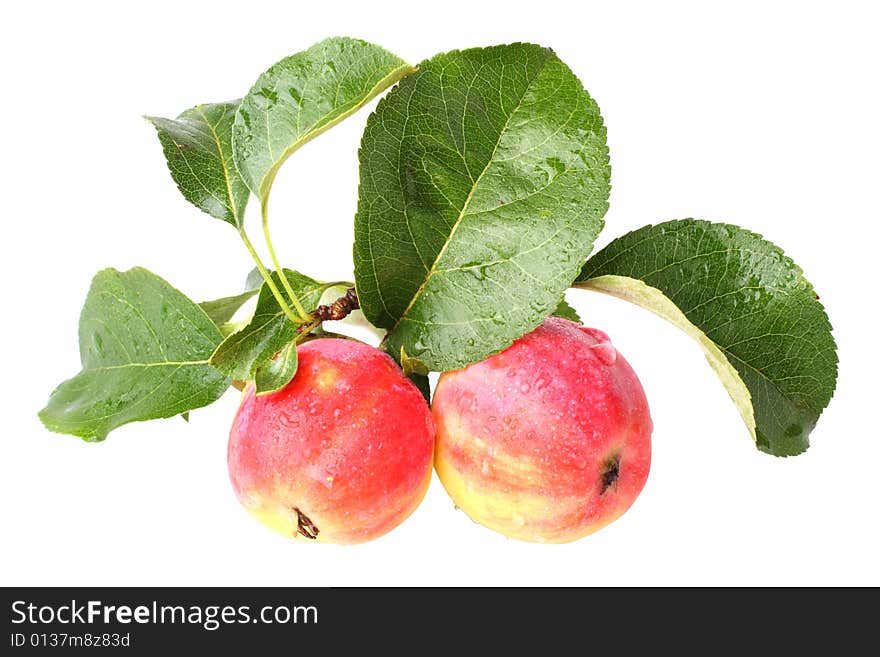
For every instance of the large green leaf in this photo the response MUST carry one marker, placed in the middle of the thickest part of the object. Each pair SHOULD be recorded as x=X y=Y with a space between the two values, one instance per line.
x=198 y=149
x=144 y=348
x=262 y=343
x=483 y=181
x=749 y=306
x=302 y=96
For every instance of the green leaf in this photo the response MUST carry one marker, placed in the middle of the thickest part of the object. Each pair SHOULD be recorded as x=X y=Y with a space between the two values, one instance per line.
x=222 y=310
x=483 y=181
x=565 y=311
x=411 y=365
x=302 y=96
x=198 y=149
x=144 y=348
x=254 y=279
x=268 y=333
x=423 y=384
x=750 y=308
x=276 y=372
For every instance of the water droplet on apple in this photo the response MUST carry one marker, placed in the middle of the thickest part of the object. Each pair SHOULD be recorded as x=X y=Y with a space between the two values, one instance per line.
x=605 y=352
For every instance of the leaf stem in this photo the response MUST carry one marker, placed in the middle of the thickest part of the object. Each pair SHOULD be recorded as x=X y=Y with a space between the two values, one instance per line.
x=305 y=329
x=268 y=278
x=304 y=316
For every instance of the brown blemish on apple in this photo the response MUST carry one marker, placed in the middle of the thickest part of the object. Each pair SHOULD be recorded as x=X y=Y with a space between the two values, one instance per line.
x=304 y=525
x=610 y=472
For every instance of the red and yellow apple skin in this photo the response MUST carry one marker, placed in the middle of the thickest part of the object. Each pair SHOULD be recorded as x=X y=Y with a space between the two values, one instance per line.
x=547 y=441
x=342 y=454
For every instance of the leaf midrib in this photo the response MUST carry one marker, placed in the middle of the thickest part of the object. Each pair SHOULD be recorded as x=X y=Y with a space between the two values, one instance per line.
x=163 y=363
x=102 y=418
x=185 y=159
x=476 y=183
x=223 y=164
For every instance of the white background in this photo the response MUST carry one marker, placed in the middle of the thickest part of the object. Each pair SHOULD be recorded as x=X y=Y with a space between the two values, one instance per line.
x=760 y=114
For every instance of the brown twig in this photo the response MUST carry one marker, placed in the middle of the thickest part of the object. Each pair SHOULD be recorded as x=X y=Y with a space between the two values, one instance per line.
x=339 y=309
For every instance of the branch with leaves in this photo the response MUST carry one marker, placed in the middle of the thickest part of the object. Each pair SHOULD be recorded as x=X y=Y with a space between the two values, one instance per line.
x=484 y=181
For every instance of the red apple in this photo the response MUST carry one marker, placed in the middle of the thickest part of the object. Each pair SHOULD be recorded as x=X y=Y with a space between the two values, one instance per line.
x=342 y=454
x=548 y=440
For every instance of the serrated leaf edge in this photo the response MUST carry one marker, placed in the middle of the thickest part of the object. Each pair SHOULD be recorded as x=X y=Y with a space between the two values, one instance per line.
x=93 y=436
x=155 y=121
